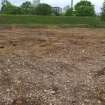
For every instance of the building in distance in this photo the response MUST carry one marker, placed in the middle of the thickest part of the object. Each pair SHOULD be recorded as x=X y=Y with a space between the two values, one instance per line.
x=57 y=10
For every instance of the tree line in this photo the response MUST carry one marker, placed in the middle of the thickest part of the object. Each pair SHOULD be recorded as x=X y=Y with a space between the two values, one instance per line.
x=82 y=8
x=26 y=8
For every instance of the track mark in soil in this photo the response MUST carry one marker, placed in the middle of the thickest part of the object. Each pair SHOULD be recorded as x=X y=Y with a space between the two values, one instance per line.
x=100 y=73
x=2 y=47
x=29 y=101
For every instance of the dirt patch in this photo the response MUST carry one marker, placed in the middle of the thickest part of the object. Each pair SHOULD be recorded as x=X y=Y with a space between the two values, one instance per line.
x=52 y=66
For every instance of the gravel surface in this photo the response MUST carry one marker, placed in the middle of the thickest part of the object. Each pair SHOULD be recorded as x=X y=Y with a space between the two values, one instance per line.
x=52 y=66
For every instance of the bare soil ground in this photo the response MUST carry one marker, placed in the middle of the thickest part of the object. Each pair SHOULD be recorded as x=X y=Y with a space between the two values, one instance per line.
x=52 y=66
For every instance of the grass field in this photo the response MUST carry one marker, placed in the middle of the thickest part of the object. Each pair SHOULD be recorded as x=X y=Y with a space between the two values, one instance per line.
x=51 y=20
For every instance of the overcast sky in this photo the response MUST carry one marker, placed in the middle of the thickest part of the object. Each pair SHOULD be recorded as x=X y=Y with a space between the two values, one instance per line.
x=62 y=3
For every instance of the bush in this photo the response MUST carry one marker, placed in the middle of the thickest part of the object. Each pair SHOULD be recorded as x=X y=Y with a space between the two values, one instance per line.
x=69 y=12
x=84 y=8
x=43 y=9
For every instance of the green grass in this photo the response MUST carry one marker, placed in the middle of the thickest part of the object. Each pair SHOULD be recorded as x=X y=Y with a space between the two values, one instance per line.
x=62 y=21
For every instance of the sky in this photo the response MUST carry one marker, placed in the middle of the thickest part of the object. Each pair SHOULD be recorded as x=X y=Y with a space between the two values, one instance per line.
x=63 y=3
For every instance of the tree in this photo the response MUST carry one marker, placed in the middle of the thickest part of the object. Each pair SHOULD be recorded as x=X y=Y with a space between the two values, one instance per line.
x=84 y=8
x=26 y=8
x=69 y=12
x=16 y=11
x=8 y=8
x=103 y=12
x=43 y=9
x=5 y=2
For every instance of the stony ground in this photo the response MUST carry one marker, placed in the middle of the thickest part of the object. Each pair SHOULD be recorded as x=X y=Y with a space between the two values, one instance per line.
x=52 y=66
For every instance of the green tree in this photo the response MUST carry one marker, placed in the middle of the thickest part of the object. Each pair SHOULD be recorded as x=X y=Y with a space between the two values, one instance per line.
x=43 y=9
x=26 y=8
x=103 y=12
x=16 y=11
x=69 y=12
x=5 y=2
x=84 y=8
x=6 y=7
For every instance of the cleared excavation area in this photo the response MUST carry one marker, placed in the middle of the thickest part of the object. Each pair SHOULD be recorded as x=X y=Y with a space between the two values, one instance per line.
x=48 y=66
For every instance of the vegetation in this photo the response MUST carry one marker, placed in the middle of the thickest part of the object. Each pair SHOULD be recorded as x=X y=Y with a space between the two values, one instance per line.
x=26 y=8
x=69 y=12
x=7 y=7
x=51 y=20
x=56 y=13
x=24 y=14
x=103 y=12
x=84 y=8
x=43 y=9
